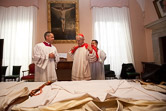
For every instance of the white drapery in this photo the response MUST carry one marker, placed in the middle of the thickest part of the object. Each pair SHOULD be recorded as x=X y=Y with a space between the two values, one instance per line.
x=17 y=28
x=111 y=27
x=109 y=3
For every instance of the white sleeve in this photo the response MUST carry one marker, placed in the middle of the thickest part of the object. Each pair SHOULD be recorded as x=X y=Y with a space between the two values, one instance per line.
x=102 y=56
x=71 y=54
x=57 y=58
x=39 y=58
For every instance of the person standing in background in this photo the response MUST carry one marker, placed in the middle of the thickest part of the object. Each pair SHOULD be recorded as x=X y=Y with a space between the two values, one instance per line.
x=97 y=68
x=82 y=54
x=45 y=58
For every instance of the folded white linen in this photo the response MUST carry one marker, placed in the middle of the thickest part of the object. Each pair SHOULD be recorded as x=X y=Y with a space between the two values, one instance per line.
x=99 y=90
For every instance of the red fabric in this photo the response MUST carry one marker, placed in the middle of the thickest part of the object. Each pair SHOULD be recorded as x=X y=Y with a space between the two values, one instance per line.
x=95 y=49
x=81 y=35
x=28 y=77
x=32 y=68
x=86 y=46
x=31 y=72
x=75 y=48
x=46 y=44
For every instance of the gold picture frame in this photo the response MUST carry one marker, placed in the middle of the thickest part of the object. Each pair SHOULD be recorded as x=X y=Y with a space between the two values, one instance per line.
x=63 y=20
x=160 y=6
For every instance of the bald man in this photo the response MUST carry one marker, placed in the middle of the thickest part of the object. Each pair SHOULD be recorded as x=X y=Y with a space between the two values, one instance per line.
x=82 y=55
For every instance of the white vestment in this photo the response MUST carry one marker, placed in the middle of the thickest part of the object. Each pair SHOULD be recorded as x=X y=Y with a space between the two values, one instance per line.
x=97 y=68
x=81 y=63
x=45 y=67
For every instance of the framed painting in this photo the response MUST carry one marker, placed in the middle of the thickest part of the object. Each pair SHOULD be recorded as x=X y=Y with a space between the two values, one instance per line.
x=160 y=6
x=63 y=20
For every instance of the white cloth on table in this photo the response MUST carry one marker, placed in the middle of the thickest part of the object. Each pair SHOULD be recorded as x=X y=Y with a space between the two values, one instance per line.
x=99 y=90
x=10 y=91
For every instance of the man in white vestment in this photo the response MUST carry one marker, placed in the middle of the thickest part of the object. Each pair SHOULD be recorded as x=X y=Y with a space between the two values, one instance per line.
x=82 y=55
x=97 y=68
x=45 y=58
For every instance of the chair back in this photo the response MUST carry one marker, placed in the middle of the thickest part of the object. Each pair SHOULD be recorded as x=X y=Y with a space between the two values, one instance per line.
x=4 y=70
x=149 y=67
x=153 y=72
x=108 y=73
x=31 y=73
x=107 y=67
x=16 y=70
x=129 y=67
x=32 y=68
x=126 y=68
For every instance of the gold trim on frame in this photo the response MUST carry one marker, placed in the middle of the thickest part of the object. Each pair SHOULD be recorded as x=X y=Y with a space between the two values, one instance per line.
x=76 y=22
x=160 y=8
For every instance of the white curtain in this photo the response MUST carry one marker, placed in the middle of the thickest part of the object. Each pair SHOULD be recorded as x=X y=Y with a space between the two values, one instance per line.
x=17 y=28
x=111 y=27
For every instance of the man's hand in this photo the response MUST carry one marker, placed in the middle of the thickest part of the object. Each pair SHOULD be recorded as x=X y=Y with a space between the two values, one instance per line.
x=51 y=55
x=89 y=48
x=73 y=48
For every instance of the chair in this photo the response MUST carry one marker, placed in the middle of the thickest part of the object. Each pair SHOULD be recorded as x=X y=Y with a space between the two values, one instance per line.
x=151 y=72
x=15 y=74
x=128 y=71
x=108 y=73
x=31 y=72
x=3 y=72
x=148 y=67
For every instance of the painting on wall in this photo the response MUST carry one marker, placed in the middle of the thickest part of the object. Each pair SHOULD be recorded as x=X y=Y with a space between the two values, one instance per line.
x=63 y=20
x=160 y=6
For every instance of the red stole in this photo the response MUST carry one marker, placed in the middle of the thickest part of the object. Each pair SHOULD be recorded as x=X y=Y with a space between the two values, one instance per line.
x=95 y=49
x=46 y=44
x=86 y=46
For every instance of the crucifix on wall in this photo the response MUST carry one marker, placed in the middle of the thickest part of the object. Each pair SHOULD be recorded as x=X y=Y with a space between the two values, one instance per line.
x=63 y=20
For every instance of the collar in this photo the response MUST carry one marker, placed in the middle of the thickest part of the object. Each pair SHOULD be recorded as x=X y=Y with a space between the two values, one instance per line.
x=86 y=46
x=82 y=45
x=47 y=44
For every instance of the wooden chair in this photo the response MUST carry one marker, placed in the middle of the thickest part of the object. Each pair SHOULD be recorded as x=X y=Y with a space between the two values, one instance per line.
x=31 y=73
x=15 y=74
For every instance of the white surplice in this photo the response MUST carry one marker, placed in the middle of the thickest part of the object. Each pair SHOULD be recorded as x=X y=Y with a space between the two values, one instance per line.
x=81 y=63
x=97 y=68
x=45 y=67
